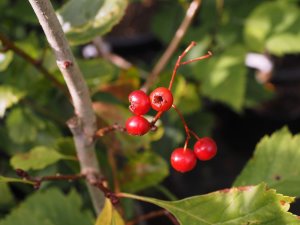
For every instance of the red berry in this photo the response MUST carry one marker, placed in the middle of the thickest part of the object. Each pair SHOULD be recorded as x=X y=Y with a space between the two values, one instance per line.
x=137 y=125
x=183 y=160
x=139 y=102
x=205 y=148
x=161 y=99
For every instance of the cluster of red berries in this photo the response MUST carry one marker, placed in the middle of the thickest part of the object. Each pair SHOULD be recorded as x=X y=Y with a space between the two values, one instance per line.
x=161 y=100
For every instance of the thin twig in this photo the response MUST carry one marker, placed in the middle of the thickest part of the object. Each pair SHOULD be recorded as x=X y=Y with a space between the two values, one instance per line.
x=152 y=215
x=107 y=54
x=100 y=183
x=9 y=45
x=39 y=180
x=181 y=31
x=106 y=130
x=83 y=124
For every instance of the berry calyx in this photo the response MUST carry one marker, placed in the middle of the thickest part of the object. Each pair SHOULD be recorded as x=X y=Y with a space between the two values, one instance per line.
x=137 y=125
x=139 y=102
x=205 y=148
x=183 y=160
x=161 y=99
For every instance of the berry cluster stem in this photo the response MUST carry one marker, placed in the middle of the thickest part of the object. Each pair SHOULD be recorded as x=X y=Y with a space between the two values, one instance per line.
x=179 y=63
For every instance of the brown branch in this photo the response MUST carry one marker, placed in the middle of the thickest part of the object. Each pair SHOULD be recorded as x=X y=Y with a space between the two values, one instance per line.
x=151 y=215
x=9 y=45
x=83 y=124
x=181 y=31
x=101 y=183
x=39 y=180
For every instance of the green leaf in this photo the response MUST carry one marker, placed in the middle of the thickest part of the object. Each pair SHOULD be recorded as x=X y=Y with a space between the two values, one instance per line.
x=285 y=43
x=109 y=215
x=276 y=162
x=50 y=207
x=5 y=59
x=224 y=78
x=84 y=20
x=97 y=72
x=23 y=125
x=8 y=97
x=235 y=206
x=187 y=101
x=256 y=93
x=270 y=18
x=143 y=170
x=14 y=180
x=37 y=158
x=7 y=198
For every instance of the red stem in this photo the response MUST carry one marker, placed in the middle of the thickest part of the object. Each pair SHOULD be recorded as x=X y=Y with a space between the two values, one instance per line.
x=194 y=134
x=187 y=130
x=179 y=63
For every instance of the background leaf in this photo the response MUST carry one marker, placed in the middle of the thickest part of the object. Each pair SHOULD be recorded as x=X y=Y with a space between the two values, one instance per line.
x=235 y=206
x=224 y=77
x=270 y=19
x=50 y=207
x=23 y=125
x=276 y=162
x=8 y=97
x=10 y=179
x=285 y=43
x=5 y=59
x=37 y=158
x=143 y=170
x=84 y=20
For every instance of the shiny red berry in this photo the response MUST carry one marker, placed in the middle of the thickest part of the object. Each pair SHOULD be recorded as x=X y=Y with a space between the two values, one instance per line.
x=183 y=160
x=139 y=102
x=137 y=125
x=205 y=148
x=161 y=99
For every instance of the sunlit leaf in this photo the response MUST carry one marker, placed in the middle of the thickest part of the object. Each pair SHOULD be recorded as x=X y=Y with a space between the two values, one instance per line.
x=276 y=162
x=224 y=77
x=38 y=158
x=235 y=206
x=143 y=170
x=270 y=18
x=285 y=43
x=84 y=20
x=109 y=215
x=5 y=59
x=14 y=180
x=186 y=101
x=8 y=97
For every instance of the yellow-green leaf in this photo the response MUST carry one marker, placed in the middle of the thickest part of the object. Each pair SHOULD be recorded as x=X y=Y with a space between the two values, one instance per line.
x=236 y=206
x=37 y=158
x=109 y=215
x=84 y=20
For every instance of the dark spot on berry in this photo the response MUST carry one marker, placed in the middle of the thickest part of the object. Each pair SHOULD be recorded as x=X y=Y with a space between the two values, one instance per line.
x=158 y=99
